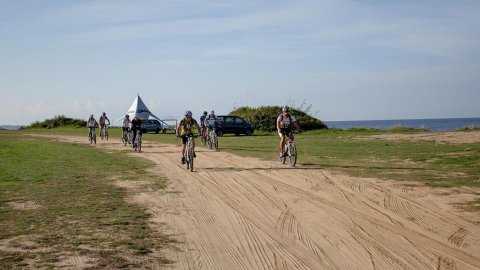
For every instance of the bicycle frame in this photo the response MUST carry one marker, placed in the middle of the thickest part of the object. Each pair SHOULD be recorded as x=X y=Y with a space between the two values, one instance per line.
x=138 y=141
x=289 y=150
x=104 y=132
x=204 y=135
x=125 y=137
x=189 y=153
x=212 y=138
x=92 y=137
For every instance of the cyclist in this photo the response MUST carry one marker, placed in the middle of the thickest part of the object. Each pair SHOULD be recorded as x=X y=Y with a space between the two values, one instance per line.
x=103 y=119
x=126 y=124
x=284 y=127
x=91 y=123
x=136 y=125
x=185 y=128
x=202 y=123
x=211 y=121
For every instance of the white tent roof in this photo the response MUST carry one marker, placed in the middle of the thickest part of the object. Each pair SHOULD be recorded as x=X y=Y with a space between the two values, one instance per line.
x=138 y=108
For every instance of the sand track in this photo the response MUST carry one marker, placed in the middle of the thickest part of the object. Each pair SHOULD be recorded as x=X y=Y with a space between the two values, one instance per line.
x=244 y=213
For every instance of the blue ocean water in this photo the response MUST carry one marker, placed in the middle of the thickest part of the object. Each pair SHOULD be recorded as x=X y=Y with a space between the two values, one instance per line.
x=445 y=124
x=10 y=127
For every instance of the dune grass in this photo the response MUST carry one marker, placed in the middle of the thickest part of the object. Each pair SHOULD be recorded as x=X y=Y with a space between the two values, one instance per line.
x=59 y=199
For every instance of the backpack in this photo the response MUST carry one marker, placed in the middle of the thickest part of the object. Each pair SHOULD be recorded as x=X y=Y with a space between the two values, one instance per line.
x=289 y=117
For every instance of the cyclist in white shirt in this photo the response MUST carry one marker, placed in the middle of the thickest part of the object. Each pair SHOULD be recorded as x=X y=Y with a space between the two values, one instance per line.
x=91 y=123
x=284 y=126
x=211 y=121
x=126 y=124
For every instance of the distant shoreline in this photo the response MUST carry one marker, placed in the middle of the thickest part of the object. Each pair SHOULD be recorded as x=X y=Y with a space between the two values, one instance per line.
x=10 y=127
x=436 y=124
x=432 y=124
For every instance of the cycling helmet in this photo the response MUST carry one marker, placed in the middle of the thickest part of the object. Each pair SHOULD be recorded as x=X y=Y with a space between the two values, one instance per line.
x=212 y=112
x=91 y=115
x=286 y=109
x=127 y=116
x=103 y=113
x=188 y=113
x=205 y=112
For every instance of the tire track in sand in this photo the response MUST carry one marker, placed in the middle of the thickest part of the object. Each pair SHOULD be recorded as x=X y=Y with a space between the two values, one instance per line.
x=243 y=213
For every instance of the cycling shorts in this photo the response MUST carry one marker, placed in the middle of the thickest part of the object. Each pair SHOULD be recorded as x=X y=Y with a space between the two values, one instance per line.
x=185 y=138
x=284 y=132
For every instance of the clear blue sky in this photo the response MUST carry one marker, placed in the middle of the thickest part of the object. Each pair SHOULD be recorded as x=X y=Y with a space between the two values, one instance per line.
x=349 y=59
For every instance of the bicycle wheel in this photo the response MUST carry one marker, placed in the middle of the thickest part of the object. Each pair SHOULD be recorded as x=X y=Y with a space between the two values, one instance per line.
x=187 y=156
x=210 y=140
x=204 y=138
x=124 y=138
x=215 y=141
x=94 y=137
x=102 y=132
x=282 y=159
x=292 y=154
x=190 y=159
x=106 y=133
x=139 y=144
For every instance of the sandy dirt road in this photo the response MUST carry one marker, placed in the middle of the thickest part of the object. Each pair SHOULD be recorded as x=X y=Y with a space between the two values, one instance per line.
x=244 y=213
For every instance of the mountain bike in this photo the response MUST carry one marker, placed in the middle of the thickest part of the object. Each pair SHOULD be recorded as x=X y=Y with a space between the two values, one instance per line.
x=138 y=141
x=204 y=135
x=104 y=132
x=290 y=151
x=213 y=139
x=189 y=156
x=126 y=137
x=92 y=136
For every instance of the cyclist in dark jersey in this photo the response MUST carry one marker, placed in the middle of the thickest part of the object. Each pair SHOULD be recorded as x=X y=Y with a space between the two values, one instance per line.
x=202 y=123
x=136 y=125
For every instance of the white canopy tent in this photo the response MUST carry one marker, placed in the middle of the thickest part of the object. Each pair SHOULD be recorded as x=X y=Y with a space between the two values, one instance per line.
x=138 y=108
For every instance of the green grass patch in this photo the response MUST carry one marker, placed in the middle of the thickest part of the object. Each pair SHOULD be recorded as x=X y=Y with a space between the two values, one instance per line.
x=73 y=207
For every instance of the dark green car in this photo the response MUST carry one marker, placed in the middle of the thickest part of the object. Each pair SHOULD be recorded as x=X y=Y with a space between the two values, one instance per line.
x=230 y=124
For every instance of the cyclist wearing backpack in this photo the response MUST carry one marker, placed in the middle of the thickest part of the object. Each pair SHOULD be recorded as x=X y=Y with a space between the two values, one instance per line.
x=284 y=126
x=211 y=121
x=103 y=119
x=103 y=125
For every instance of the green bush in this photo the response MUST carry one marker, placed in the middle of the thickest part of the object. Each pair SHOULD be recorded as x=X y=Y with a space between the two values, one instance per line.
x=58 y=121
x=402 y=129
x=469 y=128
x=265 y=117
